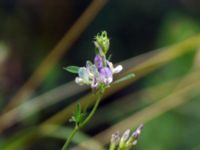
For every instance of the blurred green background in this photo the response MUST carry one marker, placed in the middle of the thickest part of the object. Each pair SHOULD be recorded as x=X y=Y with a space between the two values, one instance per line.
x=139 y=30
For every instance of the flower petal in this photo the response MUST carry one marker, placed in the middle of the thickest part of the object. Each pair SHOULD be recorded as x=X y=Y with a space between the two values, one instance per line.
x=94 y=83
x=83 y=74
x=110 y=65
x=79 y=80
x=117 y=69
x=94 y=70
x=98 y=60
x=106 y=75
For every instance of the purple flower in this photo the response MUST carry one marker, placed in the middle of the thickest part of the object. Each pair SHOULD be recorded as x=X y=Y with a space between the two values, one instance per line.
x=97 y=73
x=98 y=61
x=106 y=75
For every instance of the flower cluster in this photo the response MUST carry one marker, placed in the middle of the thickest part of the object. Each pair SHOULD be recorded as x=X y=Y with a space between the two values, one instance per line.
x=100 y=73
x=126 y=141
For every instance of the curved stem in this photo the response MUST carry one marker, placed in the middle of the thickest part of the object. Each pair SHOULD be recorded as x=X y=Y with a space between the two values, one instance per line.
x=92 y=112
x=77 y=127
x=70 y=138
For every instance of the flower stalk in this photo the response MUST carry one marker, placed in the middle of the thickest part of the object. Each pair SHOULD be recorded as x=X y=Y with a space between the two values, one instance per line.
x=98 y=75
x=79 y=126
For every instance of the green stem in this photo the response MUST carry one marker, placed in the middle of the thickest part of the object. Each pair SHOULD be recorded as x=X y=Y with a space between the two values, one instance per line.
x=92 y=112
x=112 y=146
x=70 y=138
x=77 y=127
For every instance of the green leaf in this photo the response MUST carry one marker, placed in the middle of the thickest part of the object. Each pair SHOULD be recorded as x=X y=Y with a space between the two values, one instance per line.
x=127 y=77
x=72 y=69
x=77 y=111
x=78 y=115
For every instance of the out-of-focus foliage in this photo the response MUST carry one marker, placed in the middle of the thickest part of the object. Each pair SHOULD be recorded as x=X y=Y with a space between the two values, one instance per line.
x=175 y=128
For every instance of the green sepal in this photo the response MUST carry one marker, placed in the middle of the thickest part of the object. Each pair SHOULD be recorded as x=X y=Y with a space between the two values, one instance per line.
x=72 y=69
x=109 y=57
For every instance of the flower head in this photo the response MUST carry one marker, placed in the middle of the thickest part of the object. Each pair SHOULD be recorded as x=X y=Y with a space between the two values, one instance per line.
x=101 y=71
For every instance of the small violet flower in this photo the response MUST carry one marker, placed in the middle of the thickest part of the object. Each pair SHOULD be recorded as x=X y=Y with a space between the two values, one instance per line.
x=105 y=75
x=96 y=74
x=98 y=61
x=87 y=75
x=102 y=71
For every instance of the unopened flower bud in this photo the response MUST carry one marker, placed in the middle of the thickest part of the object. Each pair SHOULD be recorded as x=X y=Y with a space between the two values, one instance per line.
x=102 y=42
x=134 y=138
x=115 y=138
x=137 y=132
x=124 y=139
x=126 y=134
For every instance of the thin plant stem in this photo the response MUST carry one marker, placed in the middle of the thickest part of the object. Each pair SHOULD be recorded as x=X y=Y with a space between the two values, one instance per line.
x=78 y=127
x=70 y=138
x=92 y=112
x=112 y=147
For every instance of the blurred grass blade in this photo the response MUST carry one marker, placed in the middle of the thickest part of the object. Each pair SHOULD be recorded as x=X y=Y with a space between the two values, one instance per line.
x=63 y=132
x=21 y=140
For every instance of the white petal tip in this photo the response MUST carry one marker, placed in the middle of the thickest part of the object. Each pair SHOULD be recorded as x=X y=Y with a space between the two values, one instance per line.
x=79 y=81
x=118 y=69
